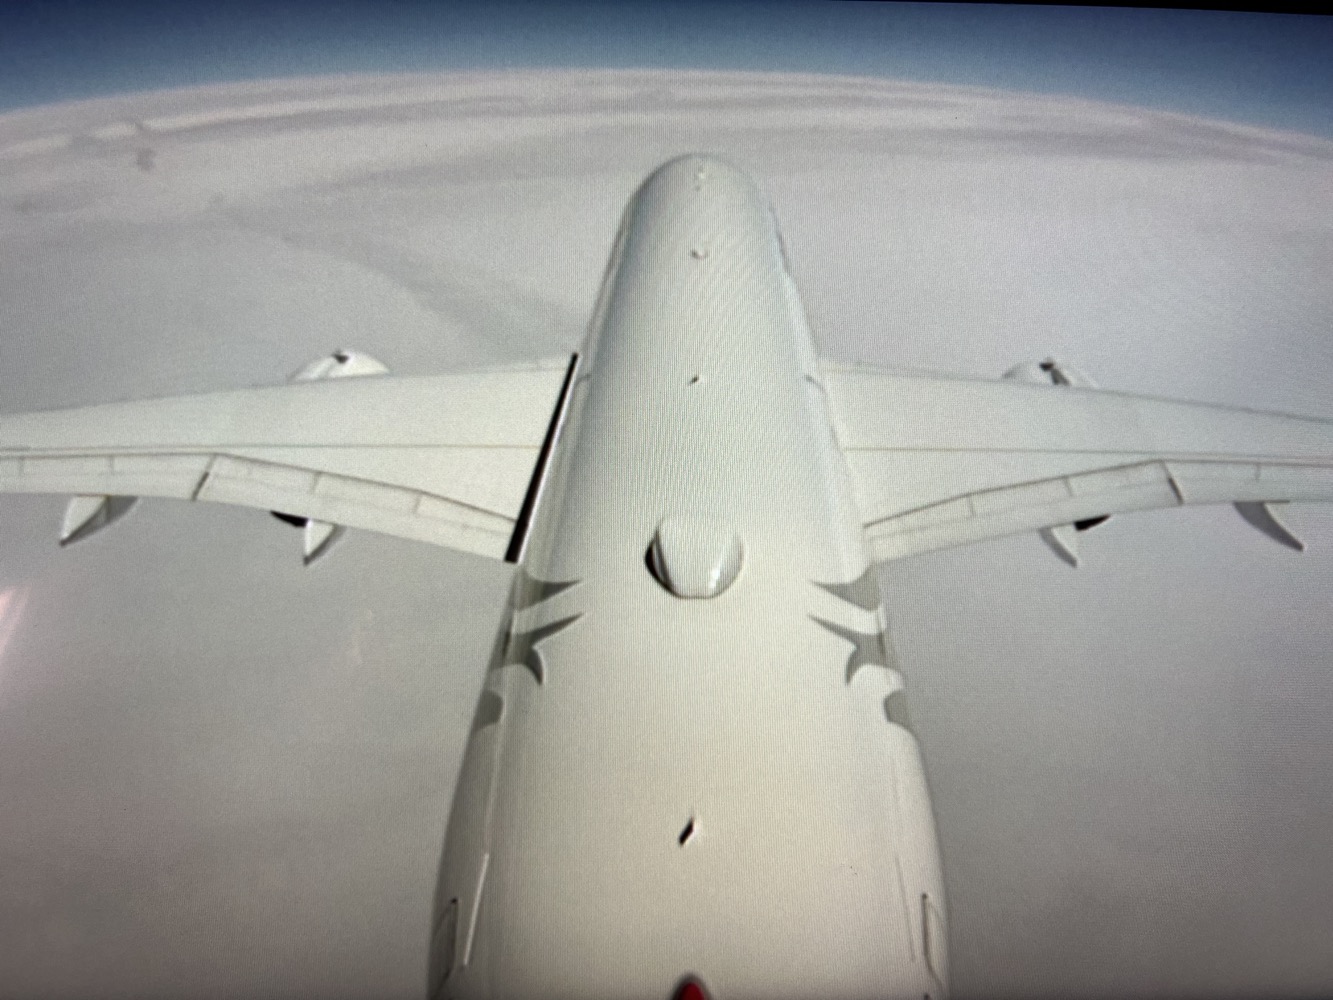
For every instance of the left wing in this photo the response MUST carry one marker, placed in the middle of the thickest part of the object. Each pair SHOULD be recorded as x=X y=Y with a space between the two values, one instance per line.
x=446 y=459
x=937 y=462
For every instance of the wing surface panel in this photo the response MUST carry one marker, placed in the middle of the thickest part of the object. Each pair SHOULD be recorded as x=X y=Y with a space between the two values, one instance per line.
x=938 y=462
x=443 y=459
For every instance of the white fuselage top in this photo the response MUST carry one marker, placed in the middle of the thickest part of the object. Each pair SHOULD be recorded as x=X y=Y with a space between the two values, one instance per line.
x=687 y=761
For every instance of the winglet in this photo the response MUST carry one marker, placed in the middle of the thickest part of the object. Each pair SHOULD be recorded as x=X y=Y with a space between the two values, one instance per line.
x=1258 y=515
x=88 y=514
x=1063 y=541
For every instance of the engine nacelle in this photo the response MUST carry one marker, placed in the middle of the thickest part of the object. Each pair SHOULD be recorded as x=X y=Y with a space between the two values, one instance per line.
x=319 y=536
x=1061 y=539
x=340 y=364
x=1050 y=372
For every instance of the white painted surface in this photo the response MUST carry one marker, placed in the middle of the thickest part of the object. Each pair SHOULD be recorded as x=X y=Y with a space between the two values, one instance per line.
x=628 y=714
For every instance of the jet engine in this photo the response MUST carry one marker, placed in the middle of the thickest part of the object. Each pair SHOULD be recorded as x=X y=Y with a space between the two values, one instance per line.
x=85 y=515
x=320 y=535
x=1062 y=539
x=1050 y=372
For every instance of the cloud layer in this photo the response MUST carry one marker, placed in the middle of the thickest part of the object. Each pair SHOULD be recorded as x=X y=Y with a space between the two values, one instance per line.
x=224 y=775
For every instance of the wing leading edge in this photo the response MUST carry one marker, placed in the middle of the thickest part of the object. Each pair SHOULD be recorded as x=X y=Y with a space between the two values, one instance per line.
x=445 y=459
x=450 y=459
x=939 y=462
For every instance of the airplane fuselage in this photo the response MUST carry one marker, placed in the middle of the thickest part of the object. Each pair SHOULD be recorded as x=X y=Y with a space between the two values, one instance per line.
x=690 y=757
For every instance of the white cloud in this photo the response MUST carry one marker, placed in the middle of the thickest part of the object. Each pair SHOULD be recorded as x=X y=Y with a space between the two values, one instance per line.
x=225 y=775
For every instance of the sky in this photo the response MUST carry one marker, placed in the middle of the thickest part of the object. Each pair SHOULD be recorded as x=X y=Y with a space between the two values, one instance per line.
x=1261 y=68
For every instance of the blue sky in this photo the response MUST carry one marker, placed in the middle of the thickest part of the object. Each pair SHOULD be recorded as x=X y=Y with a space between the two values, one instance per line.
x=1263 y=68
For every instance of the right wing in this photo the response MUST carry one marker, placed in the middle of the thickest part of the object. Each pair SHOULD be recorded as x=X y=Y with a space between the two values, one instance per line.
x=938 y=462
x=447 y=459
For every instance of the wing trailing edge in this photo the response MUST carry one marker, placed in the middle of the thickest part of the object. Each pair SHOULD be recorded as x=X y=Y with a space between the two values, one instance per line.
x=938 y=462
x=445 y=459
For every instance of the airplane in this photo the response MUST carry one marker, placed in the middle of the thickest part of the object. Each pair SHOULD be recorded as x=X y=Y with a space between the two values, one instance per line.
x=691 y=773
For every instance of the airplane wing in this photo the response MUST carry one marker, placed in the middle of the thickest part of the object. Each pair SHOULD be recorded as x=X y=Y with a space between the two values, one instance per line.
x=446 y=459
x=938 y=462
